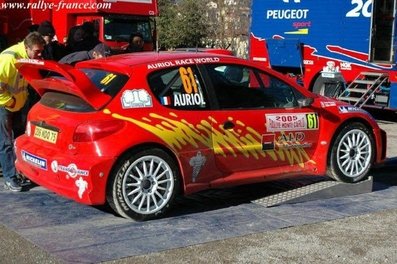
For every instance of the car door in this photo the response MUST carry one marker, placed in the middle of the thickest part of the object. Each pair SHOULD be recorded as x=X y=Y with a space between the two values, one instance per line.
x=184 y=122
x=259 y=125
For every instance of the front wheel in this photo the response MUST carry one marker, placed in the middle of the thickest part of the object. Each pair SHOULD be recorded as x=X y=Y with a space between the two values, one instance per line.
x=352 y=154
x=144 y=185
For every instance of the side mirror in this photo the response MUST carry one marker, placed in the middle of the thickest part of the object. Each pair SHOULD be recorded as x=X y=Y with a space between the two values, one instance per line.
x=305 y=102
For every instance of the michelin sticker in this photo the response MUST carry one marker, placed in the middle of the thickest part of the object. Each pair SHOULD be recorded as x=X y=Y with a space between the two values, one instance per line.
x=34 y=160
x=349 y=109
x=136 y=99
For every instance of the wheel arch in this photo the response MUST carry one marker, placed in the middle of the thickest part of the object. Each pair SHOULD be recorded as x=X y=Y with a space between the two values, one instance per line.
x=342 y=125
x=141 y=147
x=313 y=80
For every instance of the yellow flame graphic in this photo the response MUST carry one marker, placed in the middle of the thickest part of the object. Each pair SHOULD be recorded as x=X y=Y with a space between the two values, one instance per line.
x=245 y=140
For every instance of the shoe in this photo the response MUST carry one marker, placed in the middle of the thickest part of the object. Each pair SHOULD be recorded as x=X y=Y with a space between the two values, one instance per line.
x=13 y=185
x=23 y=181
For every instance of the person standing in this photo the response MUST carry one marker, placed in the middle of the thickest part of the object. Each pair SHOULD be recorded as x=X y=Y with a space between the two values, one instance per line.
x=74 y=39
x=53 y=50
x=90 y=37
x=13 y=97
x=135 y=43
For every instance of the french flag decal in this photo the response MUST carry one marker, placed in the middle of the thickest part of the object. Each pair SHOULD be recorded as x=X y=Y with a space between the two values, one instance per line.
x=165 y=100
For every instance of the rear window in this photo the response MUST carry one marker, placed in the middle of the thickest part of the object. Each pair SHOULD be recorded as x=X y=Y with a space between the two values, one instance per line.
x=66 y=102
x=108 y=82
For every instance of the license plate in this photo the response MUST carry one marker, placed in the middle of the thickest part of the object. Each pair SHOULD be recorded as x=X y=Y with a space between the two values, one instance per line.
x=45 y=134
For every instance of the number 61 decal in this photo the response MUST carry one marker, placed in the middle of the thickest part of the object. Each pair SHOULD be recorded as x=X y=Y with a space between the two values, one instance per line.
x=188 y=80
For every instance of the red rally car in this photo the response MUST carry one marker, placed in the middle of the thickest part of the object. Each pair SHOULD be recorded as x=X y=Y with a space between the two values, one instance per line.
x=135 y=130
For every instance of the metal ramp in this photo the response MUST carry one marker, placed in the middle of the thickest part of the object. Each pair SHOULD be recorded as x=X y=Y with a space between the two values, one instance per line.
x=317 y=191
x=363 y=88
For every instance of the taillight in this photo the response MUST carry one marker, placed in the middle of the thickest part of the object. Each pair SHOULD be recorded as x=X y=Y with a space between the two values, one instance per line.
x=28 y=130
x=95 y=130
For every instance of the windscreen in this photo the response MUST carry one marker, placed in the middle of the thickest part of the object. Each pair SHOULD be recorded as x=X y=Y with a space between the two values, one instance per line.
x=119 y=28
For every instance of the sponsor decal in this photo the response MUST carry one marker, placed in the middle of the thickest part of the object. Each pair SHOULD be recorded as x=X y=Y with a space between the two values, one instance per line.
x=175 y=63
x=82 y=186
x=291 y=122
x=331 y=67
x=292 y=140
x=188 y=99
x=197 y=162
x=32 y=61
x=72 y=170
x=34 y=160
x=327 y=104
x=349 y=109
x=292 y=137
x=136 y=99
x=305 y=24
x=345 y=66
x=192 y=95
x=287 y=13
x=268 y=141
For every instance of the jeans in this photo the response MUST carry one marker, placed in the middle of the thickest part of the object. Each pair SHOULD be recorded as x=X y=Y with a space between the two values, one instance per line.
x=12 y=125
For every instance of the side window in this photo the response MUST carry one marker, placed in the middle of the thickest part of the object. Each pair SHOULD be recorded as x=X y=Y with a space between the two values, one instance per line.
x=283 y=95
x=108 y=82
x=179 y=88
x=241 y=87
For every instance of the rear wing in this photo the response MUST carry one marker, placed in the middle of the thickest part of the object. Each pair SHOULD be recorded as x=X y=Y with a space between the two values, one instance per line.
x=46 y=76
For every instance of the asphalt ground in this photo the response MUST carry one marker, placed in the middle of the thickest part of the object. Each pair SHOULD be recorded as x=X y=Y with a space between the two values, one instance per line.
x=348 y=229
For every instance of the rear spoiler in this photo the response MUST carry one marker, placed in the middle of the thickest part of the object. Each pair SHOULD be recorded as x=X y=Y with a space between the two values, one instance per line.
x=61 y=78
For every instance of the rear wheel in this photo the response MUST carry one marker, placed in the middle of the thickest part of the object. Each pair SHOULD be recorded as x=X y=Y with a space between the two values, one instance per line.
x=144 y=185
x=352 y=154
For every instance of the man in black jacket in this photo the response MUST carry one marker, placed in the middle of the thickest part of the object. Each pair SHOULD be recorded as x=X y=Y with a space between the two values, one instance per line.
x=99 y=51
x=53 y=50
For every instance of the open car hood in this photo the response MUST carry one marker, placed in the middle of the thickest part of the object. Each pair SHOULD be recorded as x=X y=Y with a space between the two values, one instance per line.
x=46 y=76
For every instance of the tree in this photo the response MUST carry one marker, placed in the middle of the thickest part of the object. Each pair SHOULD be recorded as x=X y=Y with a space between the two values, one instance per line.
x=182 y=23
x=204 y=23
x=228 y=22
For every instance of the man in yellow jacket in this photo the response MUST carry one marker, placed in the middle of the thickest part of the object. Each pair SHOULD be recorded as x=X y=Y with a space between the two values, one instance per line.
x=13 y=97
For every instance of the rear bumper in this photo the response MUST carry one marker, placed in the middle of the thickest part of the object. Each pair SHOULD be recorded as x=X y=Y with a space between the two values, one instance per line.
x=81 y=177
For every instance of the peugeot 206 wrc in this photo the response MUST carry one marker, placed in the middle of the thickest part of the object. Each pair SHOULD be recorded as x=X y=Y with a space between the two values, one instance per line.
x=136 y=130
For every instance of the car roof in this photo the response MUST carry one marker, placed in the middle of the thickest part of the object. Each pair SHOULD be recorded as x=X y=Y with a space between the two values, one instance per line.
x=123 y=63
x=139 y=58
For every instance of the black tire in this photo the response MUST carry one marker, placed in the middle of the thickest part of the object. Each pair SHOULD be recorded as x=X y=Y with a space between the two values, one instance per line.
x=329 y=87
x=143 y=185
x=352 y=154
